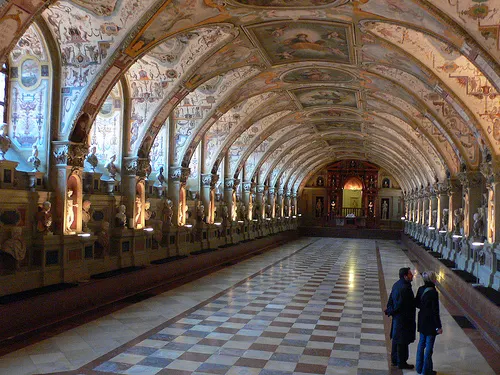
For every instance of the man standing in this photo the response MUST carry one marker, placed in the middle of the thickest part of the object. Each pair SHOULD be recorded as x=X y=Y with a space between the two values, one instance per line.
x=401 y=306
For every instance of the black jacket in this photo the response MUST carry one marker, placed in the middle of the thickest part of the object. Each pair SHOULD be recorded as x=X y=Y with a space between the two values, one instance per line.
x=401 y=306
x=428 y=303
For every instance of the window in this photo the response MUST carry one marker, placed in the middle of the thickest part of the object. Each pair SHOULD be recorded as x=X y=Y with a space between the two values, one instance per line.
x=3 y=93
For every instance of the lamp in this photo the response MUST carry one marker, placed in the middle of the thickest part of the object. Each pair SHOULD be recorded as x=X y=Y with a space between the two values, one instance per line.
x=148 y=229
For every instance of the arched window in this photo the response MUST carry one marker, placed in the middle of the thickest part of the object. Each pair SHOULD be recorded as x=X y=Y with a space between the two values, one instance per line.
x=30 y=86
x=106 y=132
x=3 y=93
x=159 y=150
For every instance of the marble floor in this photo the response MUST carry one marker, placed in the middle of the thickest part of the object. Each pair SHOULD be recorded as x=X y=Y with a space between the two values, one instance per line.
x=312 y=306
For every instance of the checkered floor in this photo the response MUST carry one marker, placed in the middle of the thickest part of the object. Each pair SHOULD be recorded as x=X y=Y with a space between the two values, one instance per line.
x=316 y=312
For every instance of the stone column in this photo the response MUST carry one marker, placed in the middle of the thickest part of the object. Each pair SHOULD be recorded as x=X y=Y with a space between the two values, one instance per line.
x=454 y=202
x=433 y=208
x=207 y=195
x=294 y=204
x=272 y=202
x=280 y=203
x=134 y=190
x=177 y=179
x=260 y=202
x=287 y=203
x=443 y=205
x=229 y=197
x=472 y=194
x=246 y=197
x=68 y=164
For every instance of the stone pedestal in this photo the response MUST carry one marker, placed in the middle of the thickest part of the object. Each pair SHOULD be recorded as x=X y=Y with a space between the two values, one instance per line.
x=486 y=265
x=122 y=242
x=35 y=180
x=48 y=255
x=92 y=182
x=7 y=169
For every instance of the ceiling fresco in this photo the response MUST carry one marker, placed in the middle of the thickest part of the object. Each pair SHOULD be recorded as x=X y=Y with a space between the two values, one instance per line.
x=238 y=78
x=325 y=96
x=285 y=42
x=315 y=74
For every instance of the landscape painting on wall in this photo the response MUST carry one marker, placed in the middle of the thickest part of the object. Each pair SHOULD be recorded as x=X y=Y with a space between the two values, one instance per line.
x=287 y=42
x=322 y=96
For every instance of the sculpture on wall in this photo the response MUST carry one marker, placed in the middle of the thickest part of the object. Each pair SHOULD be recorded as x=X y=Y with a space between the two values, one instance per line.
x=92 y=158
x=200 y=213
x=167 y=213
x=86 y=215
x=434 y=218
x=44 y=219
x=426 y=217
x=102 y=242
x=138 y=215
x=111 y=167
x=478 y=227
x=224 y=214
x=15 y=245
x=120 y=217
x=70 y=213
x=385 y=210
x=4 y=141
x=33 y=159
x=161 y=177
x=445 y=219
x=459 y=218
x=148 y=213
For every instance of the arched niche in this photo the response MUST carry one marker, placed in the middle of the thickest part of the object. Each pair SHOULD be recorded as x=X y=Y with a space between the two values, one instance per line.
x=73 y=204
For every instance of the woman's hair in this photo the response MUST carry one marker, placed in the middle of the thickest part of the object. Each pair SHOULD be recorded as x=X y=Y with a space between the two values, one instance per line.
x=429 y=276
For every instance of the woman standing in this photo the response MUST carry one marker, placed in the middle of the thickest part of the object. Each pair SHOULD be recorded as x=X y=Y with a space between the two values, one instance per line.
x=429 y=323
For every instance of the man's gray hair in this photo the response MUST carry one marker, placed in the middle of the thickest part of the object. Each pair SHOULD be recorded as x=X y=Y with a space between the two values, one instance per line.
x=429 y=276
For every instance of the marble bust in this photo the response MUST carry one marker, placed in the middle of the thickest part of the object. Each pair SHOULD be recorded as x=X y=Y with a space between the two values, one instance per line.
x=44 y=219
x=111 y=167
x=120 y=217
x=92 y=158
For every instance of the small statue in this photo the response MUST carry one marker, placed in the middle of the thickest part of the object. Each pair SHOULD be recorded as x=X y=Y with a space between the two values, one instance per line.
x=148 y=214
x=86 y=215
x=268 y=211
x=426 y=217
x=44 y=219
x=120 y=217
x=111 y=167
x=102 y=242
x=434 y=218
x=200 y=212
x=167 y=213
x=92 y=158
x=161 y=177
x=15 y=245
x=478 y=227
x=33 y=159
x=224 y=213
x=242 y=212
x=444 y=219
x=4 y=141
x=138 y=215
x=70 y=213
x=459 y=218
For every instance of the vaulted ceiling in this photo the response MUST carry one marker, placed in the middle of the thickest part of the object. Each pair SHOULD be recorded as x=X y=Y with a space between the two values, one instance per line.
x=284 y=87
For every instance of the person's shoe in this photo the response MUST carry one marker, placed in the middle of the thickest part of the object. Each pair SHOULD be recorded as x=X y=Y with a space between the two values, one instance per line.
x=406 y=366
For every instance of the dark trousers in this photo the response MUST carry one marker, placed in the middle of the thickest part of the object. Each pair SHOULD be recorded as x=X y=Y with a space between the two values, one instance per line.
x=399 y=353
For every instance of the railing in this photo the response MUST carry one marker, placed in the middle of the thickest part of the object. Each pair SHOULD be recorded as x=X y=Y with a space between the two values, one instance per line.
x=358 y=212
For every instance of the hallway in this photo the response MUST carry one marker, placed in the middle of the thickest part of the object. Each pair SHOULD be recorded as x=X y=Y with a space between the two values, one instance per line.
x=310 y=306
